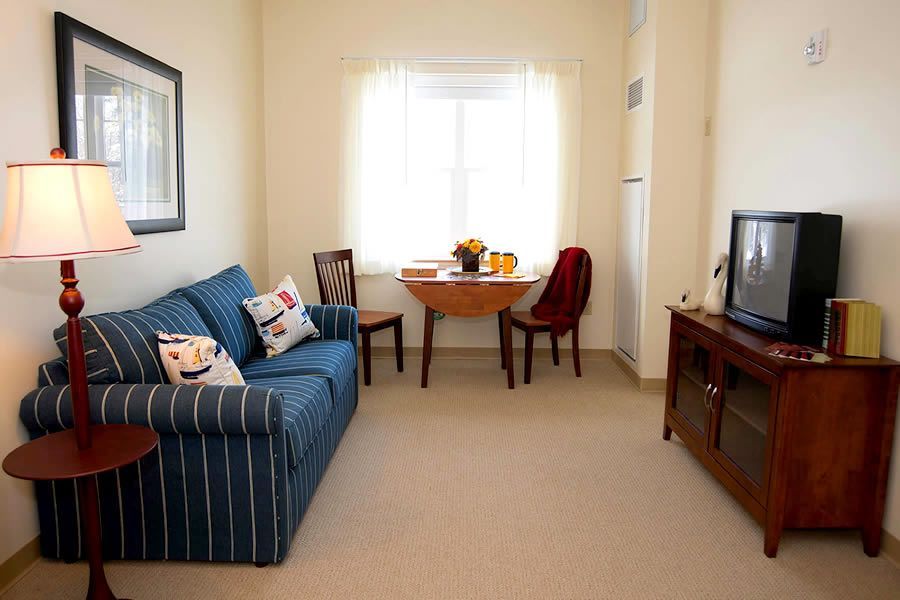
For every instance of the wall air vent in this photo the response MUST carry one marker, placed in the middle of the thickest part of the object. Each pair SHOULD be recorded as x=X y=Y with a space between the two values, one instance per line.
x=634 y=94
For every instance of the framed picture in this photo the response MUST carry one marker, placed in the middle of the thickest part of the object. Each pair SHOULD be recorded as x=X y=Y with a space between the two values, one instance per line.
x=118 y=105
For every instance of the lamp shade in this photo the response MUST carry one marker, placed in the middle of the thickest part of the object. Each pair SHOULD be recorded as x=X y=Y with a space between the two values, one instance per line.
x=61 y=210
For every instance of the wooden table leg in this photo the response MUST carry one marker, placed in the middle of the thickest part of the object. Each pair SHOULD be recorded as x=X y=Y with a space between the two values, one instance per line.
x=367 y=357
x=507 y=349
x=426 y=344
x=502 y=345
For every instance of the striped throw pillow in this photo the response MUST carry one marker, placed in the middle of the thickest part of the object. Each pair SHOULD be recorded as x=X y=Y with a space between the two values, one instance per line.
x=121 y=347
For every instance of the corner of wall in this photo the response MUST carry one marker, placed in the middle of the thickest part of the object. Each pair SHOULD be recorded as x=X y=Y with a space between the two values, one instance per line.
x=262 y=224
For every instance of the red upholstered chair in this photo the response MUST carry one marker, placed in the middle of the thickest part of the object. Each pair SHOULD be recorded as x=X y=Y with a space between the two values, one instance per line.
x=523 y=320
x=334 y=274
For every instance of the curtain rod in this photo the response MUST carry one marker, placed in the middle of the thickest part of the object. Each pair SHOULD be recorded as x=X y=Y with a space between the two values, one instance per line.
x=462 y=59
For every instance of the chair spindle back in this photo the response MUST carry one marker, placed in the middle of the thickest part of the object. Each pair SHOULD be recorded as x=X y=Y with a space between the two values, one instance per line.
x=334 y=274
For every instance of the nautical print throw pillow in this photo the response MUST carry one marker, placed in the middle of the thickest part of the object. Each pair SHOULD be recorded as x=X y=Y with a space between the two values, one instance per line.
x=196 y=360
x=280 y=317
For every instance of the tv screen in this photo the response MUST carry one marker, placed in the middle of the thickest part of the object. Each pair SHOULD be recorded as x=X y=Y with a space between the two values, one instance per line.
x=762 y=267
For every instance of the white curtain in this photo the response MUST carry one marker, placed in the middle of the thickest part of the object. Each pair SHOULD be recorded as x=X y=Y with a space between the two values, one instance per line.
x=552 y=162
x=534 y=217
x=373 y=163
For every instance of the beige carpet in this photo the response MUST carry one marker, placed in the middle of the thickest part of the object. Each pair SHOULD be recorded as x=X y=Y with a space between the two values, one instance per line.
x=560 y=489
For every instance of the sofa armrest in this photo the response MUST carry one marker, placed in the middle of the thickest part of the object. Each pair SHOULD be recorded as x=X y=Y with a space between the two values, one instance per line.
x=215 y=488
x=164 y=408
x=335 y=321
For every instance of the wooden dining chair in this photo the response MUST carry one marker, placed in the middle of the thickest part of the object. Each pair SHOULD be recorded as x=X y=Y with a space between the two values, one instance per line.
x=525 y=321
x=334 y=274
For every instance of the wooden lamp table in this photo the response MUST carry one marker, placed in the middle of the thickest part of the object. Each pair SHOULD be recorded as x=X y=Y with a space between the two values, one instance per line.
x=56 y=456
x=464 y=296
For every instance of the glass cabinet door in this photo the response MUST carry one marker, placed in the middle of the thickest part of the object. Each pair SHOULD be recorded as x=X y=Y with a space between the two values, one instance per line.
x=743 y=404
x=693 y=365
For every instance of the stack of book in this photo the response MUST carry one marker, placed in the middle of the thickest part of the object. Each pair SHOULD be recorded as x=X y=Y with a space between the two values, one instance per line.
x=852 y=327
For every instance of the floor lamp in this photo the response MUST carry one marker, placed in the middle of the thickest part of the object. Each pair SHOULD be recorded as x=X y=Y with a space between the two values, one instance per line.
x=64 y=210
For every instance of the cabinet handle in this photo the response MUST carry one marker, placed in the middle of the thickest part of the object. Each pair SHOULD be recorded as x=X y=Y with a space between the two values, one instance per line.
x=706 y=397
x=712 y=399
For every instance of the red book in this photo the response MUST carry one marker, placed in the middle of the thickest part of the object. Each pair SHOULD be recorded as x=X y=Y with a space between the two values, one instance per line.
x=840 y=309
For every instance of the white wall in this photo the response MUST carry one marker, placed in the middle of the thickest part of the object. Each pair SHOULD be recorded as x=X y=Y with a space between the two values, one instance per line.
x=216 y=44
x=304 y=41
x=663 y=141
x=788 y=136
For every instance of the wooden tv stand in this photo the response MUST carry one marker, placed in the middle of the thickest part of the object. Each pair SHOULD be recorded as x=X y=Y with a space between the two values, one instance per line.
x=799 y=444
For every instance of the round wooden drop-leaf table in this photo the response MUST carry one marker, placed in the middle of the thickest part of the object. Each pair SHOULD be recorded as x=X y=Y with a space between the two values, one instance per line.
x=468 y=296
x=56 y=456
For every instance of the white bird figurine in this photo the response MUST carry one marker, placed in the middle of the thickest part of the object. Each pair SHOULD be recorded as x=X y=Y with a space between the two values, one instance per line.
x=687 y=303
x=714 y=303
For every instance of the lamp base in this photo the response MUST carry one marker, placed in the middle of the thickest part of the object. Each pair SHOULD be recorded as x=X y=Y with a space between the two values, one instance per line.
x=56 y=456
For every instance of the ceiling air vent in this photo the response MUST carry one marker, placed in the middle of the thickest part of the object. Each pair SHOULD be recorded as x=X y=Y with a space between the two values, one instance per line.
x=634 y=94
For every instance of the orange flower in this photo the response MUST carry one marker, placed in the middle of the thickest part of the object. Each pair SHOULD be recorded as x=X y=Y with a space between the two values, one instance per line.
x=475 y=247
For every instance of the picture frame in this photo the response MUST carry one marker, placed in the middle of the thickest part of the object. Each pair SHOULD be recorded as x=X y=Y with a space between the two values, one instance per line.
x=121 y=106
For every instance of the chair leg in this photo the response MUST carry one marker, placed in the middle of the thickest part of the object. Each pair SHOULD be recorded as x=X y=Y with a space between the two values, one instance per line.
x=502 y=345
x=529 y=354
x=398 y=344
x=554 y=346
x=367 y=357
x=575 y=355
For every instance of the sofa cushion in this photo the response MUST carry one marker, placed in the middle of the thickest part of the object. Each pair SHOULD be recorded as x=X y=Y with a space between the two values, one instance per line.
x=121 y=347
x=307 y=403
x=219 y=301
x=53 y=372
x=334 y=360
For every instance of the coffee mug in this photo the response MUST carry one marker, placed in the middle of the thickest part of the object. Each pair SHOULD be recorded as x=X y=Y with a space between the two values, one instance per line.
x=509 y=262
x=495 y=261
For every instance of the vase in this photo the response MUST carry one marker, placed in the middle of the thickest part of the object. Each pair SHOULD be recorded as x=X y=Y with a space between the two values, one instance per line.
x=470 y=263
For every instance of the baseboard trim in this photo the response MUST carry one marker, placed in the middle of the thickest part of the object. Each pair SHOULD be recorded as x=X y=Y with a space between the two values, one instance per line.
x=14 y=567
x=480 y=352
x=643 y=384
x=890 y=547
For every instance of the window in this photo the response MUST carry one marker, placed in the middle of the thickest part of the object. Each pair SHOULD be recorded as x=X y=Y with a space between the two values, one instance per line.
x=113 y=103
x=435 y=152
x=464 y=152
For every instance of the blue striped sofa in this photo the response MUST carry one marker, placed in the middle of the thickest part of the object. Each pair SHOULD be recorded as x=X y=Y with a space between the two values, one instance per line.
x=236 y=466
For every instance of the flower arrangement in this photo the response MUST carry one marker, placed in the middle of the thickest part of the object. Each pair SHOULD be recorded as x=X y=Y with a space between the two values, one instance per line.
x=469 y=253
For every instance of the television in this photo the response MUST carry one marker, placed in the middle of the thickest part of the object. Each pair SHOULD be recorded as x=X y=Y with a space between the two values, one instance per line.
x=781 y=268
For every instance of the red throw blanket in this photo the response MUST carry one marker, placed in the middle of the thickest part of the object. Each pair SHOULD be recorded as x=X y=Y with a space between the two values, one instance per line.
x=557 y=302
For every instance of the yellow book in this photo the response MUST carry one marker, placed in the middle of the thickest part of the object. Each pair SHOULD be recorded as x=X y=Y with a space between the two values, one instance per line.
x=875 y=330
x=863 y=330
x=855 y=312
